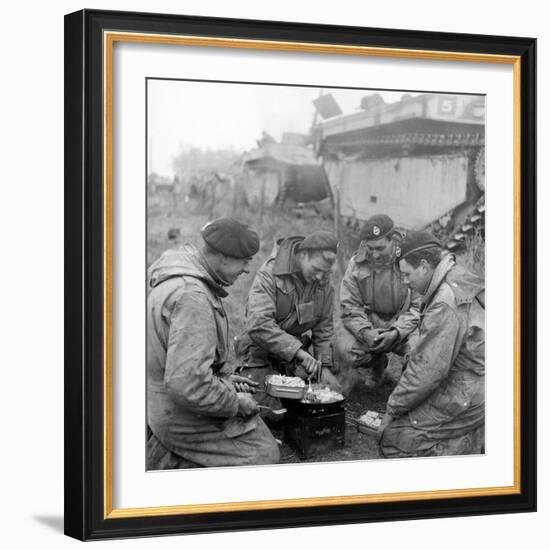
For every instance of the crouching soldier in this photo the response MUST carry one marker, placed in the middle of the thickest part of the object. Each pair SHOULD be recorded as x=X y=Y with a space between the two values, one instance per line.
x=378 y=311
x=438 y=405
x=289 y=324
x=197 y=409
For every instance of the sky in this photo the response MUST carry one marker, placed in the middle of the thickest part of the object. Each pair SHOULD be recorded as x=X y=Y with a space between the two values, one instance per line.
x=211 y=115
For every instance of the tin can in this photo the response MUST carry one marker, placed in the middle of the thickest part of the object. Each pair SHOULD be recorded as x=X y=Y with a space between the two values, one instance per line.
x=369 y=422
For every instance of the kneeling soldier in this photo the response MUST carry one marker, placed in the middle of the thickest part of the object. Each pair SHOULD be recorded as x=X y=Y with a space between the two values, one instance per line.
x=378 y=311
x=438 y=405
x=197 y=408
x=289 y=310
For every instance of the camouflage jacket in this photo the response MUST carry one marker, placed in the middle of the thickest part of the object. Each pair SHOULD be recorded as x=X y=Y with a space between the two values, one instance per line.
x=444 y=379
x=281 y=308
x=375 y=297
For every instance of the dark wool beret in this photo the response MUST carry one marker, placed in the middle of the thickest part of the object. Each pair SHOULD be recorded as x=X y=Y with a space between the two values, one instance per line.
x=231 y=238
x=376 y=227
x=414 y=241
x=320 y=240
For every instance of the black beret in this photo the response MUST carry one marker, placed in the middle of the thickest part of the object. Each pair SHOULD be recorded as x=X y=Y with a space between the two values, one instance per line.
x=231 y=238
x=320 y=240
x=416 y=240
x=376 y=227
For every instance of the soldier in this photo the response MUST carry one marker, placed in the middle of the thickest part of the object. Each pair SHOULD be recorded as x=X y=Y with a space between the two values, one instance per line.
x=378 y=311
x=197 y=409
x=438 y=405
x=289 y=309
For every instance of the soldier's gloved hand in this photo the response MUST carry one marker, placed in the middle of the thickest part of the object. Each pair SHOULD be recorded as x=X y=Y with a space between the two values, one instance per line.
x=247 y=405
x=385 y=341
x=243 y=384
x=369 y=336
x=308 y=362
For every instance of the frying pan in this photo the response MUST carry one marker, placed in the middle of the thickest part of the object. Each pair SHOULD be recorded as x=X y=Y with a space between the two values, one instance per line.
x=305 y=407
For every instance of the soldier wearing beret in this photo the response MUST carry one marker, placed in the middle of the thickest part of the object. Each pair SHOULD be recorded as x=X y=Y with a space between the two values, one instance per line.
x=198 y=410
x=289 y=324
x=378 y=311
x=438 y=405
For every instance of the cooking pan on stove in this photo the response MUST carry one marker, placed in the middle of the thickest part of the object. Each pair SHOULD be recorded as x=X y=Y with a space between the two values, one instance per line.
x=308 y=407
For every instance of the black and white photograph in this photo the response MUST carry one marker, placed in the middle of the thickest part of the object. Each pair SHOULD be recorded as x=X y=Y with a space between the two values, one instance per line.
x=279 y=241
x=315 y=278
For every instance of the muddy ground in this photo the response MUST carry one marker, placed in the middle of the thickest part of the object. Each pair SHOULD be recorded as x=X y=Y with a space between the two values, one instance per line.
x=358 y=445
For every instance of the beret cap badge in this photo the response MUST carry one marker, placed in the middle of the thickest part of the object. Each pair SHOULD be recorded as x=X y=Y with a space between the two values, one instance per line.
x=376 y=227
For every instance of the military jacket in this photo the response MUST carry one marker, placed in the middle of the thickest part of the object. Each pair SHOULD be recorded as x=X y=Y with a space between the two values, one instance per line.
x=281 y=308
x=187 y=348
x=443 y=383
x=375 y=297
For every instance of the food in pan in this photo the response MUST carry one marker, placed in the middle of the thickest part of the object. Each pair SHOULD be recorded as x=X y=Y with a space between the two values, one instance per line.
x=286 y=381
x=323 y=395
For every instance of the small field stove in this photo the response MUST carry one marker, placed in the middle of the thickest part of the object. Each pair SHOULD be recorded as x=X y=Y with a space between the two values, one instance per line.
x=315 y=428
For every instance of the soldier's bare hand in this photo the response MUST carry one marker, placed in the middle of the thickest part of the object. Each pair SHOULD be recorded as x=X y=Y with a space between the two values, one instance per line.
x=330 y=380
x=243 y=384
x=247 y=405
x=308 y=362
x=385 y=341
x=369 y=337
x=386 y=421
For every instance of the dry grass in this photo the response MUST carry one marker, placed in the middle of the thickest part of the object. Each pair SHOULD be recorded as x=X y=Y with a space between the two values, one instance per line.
x=473 y=258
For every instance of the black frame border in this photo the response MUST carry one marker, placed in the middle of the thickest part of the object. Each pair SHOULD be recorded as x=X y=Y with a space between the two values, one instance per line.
x=84 y=253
